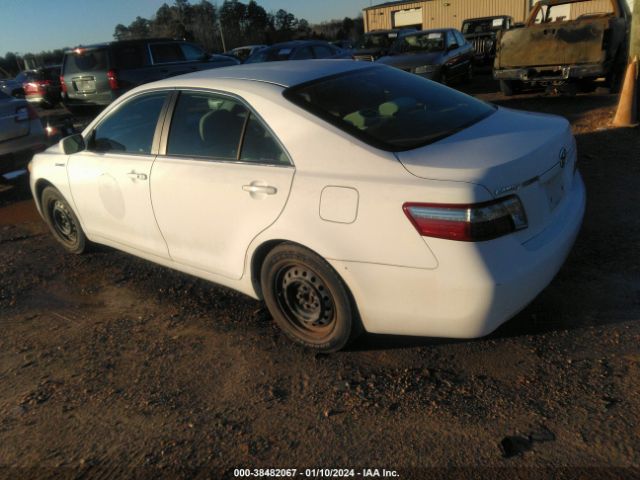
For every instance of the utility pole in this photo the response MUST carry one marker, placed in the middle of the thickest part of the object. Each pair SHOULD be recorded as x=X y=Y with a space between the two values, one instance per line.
x=629 y=104
x=634 y=43
x=224 y=45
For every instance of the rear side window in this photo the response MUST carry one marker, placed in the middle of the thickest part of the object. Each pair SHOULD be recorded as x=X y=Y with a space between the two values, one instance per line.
x=322 y=51
x=166 y=52
x=86 y=61
x=206 y=125
x=129 y=56
x=388 y=108
x=259 y=146
x=303 y=53
x=130 y=129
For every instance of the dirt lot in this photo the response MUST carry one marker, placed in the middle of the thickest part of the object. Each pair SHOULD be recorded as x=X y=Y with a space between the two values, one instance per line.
x=115 y=367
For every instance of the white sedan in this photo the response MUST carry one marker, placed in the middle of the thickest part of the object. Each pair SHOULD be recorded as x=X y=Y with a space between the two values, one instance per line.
x=348 y=196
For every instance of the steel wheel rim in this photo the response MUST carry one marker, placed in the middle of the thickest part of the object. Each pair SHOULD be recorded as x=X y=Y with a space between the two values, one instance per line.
x=63 y=222
x=305 y=300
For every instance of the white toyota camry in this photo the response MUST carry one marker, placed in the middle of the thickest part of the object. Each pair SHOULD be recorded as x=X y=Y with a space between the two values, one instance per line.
x=348 y=196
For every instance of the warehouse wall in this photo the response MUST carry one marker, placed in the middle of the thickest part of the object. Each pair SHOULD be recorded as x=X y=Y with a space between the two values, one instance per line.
x=447 y=13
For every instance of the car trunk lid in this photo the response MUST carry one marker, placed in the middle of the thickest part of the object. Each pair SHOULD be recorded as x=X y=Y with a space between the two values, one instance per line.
x=529 y=155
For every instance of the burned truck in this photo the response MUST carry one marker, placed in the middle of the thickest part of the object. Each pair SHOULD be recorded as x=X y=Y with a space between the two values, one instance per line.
x=568 y=45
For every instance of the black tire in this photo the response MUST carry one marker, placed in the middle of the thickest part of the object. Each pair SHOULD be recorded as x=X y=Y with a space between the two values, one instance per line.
x=307 y=299
x=509 y=87
x=62 y=222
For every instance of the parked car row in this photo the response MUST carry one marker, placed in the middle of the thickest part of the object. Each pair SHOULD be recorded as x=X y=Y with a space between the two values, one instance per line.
x=21 y=133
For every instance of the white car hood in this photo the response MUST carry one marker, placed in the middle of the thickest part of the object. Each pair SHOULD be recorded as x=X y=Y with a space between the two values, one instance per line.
x=506 y=148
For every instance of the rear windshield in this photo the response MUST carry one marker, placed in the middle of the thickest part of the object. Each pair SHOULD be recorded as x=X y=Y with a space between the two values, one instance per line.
x=84 y=61
x=388 y=108
x=271 y=55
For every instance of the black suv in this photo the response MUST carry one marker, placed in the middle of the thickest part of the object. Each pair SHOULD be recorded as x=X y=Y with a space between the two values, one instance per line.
x=96 y=75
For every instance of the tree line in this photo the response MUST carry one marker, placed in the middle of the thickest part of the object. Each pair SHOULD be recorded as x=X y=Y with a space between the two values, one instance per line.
x=216 y=28
x=232 y=24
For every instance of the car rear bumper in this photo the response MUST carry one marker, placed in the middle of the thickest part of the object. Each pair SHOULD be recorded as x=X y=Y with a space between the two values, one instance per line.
x=476 y=286
x=89 y=100
x=551 y=73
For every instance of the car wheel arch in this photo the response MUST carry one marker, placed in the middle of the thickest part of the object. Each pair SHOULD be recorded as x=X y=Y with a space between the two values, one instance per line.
x=260 y=254
x=40 y=186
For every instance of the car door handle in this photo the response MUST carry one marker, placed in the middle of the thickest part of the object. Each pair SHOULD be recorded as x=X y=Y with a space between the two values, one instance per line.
x=264 y=189
x=137 y=176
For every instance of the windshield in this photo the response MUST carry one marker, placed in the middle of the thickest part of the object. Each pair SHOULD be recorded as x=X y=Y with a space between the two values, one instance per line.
x=424 y=42
x=379 y=40
x=82 y=61
x=483 y=26
x=388 y=108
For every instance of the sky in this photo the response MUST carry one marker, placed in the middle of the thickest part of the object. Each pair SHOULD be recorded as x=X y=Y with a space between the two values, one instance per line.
x=37 y=25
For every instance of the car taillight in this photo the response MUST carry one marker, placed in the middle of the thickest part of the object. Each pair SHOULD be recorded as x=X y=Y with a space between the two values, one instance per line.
x=468 y=223
x=63 y=85
x=112 y=76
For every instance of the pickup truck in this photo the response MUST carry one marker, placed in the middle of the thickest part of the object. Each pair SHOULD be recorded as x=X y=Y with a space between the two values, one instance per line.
x=566 y=45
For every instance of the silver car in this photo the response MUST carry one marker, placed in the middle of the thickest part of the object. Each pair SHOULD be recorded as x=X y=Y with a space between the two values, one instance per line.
x=21 y=133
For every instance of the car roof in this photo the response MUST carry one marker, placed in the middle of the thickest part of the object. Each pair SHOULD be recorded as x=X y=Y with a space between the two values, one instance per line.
x=485 y=18
x=123 y=42
x=297 y=43
x=285 y=73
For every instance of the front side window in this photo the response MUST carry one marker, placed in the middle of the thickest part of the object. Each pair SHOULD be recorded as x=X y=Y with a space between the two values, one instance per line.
x=451 y=39
x=192 y=53
x=459 y=38
x=131 y=128
x=388 y=108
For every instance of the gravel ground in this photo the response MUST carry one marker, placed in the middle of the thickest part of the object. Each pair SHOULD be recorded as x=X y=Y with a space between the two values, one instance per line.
x=113 y=367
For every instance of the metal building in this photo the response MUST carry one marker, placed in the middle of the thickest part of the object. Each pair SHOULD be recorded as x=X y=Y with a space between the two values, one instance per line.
x=427 y=14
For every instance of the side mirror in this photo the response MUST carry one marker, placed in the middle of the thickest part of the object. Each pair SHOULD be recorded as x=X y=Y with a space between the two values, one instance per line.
x=72 y=144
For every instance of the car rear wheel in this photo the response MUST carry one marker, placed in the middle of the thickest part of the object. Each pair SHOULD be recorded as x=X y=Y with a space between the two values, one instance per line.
x=63 y=222
x=307 y=299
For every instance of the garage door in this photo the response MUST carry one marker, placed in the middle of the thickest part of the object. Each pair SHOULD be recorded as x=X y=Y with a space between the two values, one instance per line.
x=408 y=18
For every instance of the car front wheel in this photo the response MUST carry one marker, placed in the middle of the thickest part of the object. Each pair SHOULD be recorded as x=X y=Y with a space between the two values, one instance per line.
x=307 y=299
x=63 y=222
